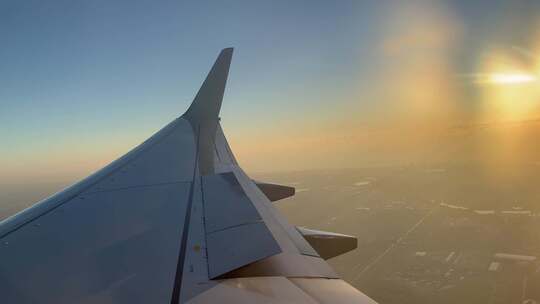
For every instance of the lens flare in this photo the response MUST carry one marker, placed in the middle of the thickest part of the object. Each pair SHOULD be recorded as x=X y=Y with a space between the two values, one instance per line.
x=511 y=78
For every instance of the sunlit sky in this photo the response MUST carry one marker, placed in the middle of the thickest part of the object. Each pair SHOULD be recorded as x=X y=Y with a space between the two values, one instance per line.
x=314 y=84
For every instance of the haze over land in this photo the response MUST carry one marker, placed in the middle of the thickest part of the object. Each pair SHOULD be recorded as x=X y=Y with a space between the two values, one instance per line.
x=427 y=234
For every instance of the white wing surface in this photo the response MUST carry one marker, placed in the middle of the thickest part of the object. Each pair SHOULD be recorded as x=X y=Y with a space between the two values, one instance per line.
x=175 y=220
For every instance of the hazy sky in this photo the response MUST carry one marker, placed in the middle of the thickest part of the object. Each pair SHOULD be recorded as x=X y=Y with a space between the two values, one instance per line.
x=314 y=84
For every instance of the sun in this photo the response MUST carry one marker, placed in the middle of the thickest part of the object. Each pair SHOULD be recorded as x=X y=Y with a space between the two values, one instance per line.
x=511 y=78
x=508 y=86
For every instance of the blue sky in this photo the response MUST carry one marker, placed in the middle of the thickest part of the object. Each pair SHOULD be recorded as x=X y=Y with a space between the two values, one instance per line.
x=129 y=57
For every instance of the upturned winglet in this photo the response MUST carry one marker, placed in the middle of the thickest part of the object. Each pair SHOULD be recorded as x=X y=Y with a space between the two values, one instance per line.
x=207 y=102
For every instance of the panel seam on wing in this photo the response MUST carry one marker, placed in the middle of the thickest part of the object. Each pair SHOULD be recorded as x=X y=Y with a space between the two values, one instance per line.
x=234 y=226
x=178 y=278
x=137 y=186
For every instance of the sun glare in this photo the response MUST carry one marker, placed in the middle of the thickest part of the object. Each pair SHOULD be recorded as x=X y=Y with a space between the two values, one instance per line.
x=509 y=85
x=511 y=78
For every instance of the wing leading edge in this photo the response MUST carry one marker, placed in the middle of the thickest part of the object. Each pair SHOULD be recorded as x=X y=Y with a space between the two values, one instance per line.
x=174 y=220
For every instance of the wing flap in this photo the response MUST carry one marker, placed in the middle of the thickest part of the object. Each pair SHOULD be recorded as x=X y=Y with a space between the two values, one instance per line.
x=235 y=232
x=225 y=203
x=237 y=246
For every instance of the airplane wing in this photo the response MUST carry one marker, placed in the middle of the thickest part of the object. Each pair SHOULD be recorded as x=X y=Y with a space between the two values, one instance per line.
x=175 y=220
